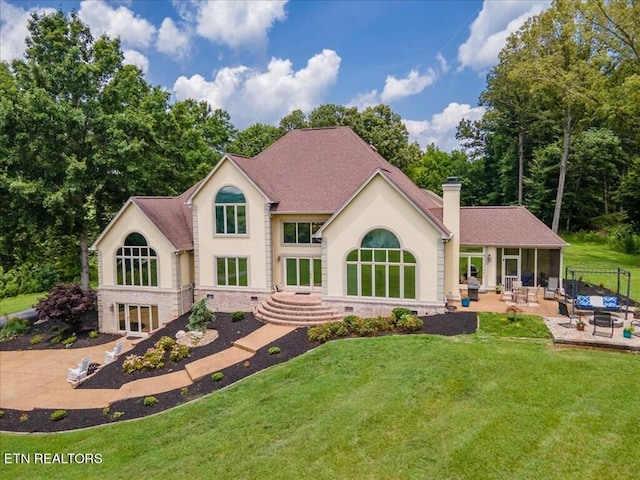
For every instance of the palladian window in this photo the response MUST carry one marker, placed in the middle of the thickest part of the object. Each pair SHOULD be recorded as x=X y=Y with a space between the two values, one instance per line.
x=380 y=268
x=136 y=262
x=230 y=212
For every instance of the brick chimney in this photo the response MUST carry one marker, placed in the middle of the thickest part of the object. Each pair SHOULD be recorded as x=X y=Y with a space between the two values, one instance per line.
x=451 y=219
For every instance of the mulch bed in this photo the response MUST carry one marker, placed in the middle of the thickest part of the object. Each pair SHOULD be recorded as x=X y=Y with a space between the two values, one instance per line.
x=89 y=321
x=112 y=376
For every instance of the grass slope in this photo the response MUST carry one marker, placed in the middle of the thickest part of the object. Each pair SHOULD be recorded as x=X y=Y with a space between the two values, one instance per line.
x=598 y=254
x=389 y=407
x=19 y=302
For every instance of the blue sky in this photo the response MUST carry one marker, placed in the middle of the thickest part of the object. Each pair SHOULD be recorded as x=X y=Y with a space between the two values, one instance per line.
x=260 y=60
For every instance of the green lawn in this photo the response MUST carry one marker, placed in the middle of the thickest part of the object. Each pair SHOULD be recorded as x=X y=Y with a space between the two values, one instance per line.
x=19 y=302
x=398 y=407
x=596 y=254
x=512 y=325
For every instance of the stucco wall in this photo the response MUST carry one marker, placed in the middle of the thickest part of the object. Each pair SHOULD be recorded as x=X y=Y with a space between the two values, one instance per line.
x=210 y=245
x=133 y=220
x=379 y=205
x=280 y=250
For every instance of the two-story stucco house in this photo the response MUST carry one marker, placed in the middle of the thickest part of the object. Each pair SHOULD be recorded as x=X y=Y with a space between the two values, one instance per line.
x=318 y=211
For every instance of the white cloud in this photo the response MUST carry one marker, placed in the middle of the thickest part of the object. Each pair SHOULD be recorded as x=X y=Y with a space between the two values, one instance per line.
x=489 y=31
x=365 y=100
x=13 y=29
x=238 y=24
x=217 y=93
x=134 y=31
x=399 y=88
x=252 y=96
x=133 y=57
x=442 y=62
x=171 y=40
x=441 y=130
x=414 y=83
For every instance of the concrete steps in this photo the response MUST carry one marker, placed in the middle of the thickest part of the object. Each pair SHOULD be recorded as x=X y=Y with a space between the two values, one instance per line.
x=291 y=309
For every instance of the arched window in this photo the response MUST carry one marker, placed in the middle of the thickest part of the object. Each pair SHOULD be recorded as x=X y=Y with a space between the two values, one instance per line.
x=136 y=262
x=380 y=268
x=230 y=212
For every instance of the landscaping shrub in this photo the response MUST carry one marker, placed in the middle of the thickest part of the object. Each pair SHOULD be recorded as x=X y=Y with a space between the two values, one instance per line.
x=410 y=323
x=216 y=377
x=149 y=401
x=153 y=358
x=24 y=417
x=349 y=320
x=15 y=327
x=322 y=333
x=93 y=334
x=1 y=413
x=69 y=341
x=200 y=316
x=400 y=312
x=58 y=415
x=237 y=316
x=67 y=304
x=363 y=327
x=179 y=352
x=273 y=350
x=165 y=343
x=383 y=324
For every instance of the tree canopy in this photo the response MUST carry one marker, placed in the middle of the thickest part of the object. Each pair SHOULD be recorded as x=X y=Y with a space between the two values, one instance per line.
x=81 y=132
x=562 y=115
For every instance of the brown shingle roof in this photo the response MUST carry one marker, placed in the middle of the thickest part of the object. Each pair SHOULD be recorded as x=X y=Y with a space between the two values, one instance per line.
x=317 y=170
x=172 y=217
x=505 y=226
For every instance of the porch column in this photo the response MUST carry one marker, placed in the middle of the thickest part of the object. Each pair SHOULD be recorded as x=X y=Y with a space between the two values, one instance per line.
x=451 y=218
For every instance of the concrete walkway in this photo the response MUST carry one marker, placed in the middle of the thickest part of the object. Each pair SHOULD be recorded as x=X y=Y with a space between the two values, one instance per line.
x=37 y=378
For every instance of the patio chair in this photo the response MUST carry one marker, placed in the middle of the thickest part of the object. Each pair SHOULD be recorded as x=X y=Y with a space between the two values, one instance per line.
x=532 y=294
x=602 y=319
x=74 y=375
x=113 y=354
x=551 y=289
x=522 y=295
x=563 y=310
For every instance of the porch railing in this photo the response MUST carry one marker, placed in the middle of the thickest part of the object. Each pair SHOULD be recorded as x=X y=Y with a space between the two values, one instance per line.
x=508 y=282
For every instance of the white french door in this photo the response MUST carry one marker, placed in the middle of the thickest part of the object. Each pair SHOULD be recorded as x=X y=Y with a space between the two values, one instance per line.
x=137 y=319
x=303 y=272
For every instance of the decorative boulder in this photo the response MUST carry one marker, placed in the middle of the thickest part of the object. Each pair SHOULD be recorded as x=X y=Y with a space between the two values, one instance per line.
x=180 y=334
x=195 y=335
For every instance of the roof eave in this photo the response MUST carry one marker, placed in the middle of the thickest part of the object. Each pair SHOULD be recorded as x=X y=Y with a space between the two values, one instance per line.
x=446 y=234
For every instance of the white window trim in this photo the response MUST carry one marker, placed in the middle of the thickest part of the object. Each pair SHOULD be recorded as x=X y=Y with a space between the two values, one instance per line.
x=227 y=258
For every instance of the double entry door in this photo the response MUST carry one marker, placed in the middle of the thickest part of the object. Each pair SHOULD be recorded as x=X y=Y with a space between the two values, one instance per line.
x=137 y=319
x=303 y=272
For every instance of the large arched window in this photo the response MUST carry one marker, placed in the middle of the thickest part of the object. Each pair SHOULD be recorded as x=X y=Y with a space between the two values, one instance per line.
x=136 y=262
x=230 y=212
x=380 y=268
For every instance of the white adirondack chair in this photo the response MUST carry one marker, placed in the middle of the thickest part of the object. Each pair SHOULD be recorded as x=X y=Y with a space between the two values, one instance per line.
x=74 y=375
x=110 y=356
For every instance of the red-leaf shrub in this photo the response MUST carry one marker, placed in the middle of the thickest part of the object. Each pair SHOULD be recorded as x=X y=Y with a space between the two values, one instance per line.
x=66 y=303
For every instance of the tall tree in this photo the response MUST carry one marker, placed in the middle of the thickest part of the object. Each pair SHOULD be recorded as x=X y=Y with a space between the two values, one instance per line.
x=82 y=132
x=252 y=140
